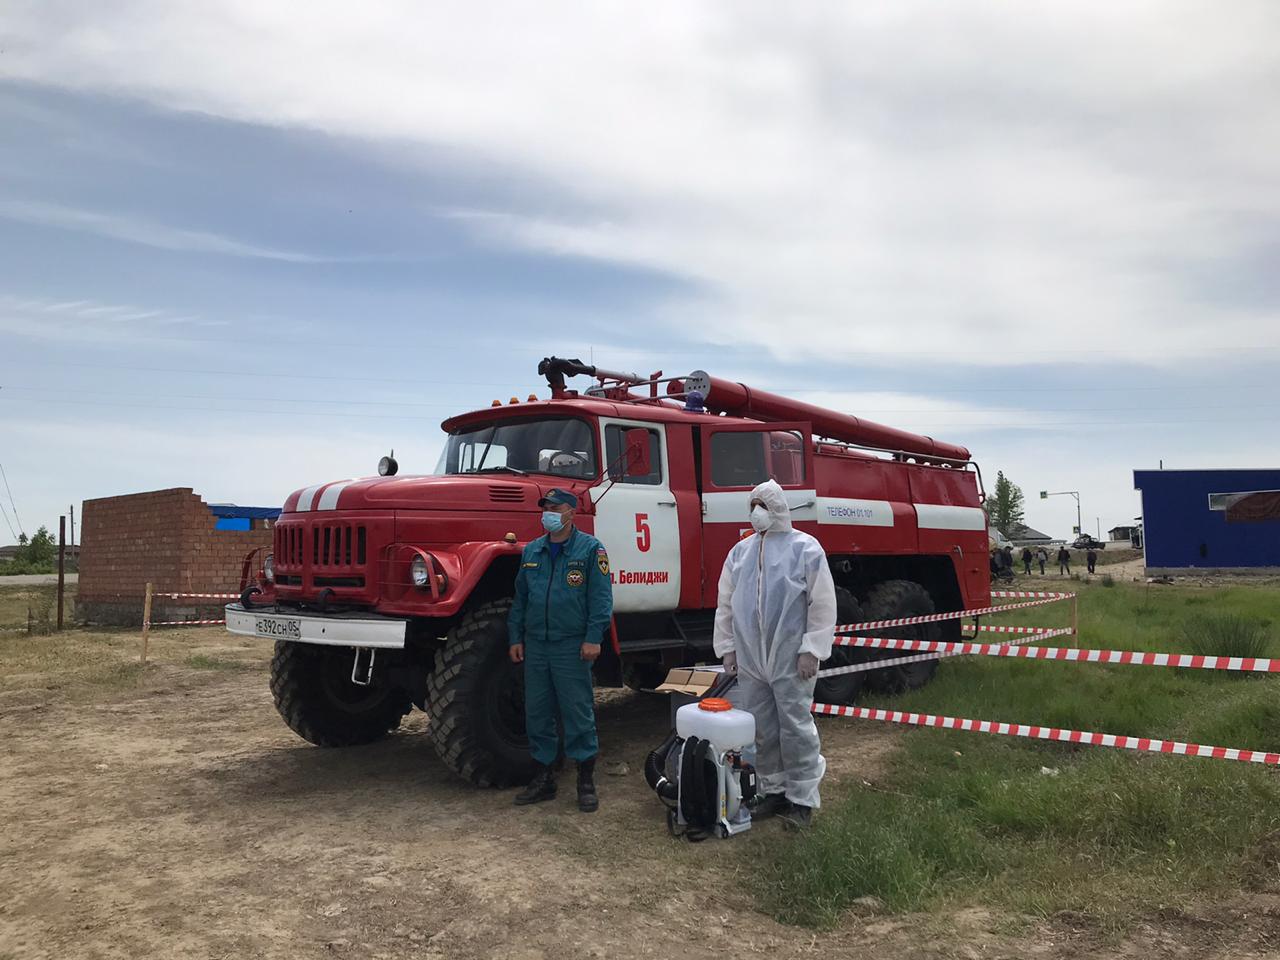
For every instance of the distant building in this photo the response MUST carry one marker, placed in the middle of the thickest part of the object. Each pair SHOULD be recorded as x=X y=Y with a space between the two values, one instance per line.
x=1125 y=535
x=1210 y=519
x=1022 y=535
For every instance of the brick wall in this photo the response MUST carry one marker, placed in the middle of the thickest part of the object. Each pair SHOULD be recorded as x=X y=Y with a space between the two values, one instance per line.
x=167 y=537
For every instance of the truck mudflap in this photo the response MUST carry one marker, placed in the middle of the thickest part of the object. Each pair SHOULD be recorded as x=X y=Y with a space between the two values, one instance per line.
x=337 y=630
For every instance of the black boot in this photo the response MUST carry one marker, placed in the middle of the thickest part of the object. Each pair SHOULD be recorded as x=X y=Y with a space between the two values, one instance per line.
x=588 y=802
x=798 y=817
x=541 y=787
x=770 y=805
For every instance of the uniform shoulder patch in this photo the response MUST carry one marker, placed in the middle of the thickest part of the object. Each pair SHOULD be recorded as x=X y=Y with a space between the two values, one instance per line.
x=574 y=578
x=602 y=560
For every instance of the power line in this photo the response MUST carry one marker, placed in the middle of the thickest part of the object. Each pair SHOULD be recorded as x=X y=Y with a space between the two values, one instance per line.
x=278 y=374
x=11 y=503
x=1012 y=424
x=263 y=374
x=6 y=521
x=454 y=405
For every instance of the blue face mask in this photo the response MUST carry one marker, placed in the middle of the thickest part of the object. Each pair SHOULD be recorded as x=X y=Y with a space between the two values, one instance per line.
x=552 y=522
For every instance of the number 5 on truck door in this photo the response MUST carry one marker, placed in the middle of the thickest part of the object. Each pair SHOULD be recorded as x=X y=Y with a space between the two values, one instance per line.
x=643 y=540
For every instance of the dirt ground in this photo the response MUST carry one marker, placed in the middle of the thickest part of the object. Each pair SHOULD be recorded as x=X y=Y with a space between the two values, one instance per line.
x=171 y=814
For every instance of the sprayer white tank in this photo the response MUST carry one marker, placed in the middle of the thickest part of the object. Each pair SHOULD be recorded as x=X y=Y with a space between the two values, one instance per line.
x=727 y=727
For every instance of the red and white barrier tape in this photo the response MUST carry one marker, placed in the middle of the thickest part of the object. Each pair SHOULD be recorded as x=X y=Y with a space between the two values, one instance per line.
x=1147 y=744
x=180 y=623
x=1030 y=593
x=951 y=615
x=991 y=628
x=202 y=596
x=1137 y=658
x=920 y=658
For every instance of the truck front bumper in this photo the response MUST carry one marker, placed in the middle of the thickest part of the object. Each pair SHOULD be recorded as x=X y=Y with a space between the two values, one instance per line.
x=338 y=630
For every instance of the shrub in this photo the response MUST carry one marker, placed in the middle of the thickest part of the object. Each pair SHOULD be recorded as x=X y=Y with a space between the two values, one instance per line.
x=41 y=604
x=1226 y=635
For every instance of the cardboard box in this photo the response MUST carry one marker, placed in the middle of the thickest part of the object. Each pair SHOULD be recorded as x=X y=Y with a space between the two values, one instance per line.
x=694 y=681
x=690 y=684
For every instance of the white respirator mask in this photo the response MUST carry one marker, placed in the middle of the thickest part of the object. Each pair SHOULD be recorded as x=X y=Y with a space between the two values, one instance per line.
x=760 y=518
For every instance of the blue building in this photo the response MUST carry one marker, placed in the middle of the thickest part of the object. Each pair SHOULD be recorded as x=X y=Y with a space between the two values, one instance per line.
x=232 y=516
x=1210 y=519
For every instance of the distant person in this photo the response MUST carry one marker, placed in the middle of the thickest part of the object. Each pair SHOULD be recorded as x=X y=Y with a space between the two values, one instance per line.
x=995 y=564
x=1064 y=561
x=1026 y=560
x=1091 y=558
x=1042 y=555
x=1006 y=558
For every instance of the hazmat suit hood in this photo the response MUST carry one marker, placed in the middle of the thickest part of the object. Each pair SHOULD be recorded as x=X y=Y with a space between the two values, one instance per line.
x=775 y=501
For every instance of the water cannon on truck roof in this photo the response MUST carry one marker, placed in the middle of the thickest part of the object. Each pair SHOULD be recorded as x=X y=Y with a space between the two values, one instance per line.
x=389 y=592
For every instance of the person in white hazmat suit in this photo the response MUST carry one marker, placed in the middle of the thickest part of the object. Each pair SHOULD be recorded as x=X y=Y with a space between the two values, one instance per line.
x=775 y=618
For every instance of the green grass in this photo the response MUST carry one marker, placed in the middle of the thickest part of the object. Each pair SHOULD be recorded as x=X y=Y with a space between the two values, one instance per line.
x=1227 y=635
x=36 y=606
x=971 y=819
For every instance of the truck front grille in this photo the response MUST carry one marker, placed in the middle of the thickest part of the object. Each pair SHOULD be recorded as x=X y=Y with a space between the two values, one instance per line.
x=337 y=545
x=335 y=554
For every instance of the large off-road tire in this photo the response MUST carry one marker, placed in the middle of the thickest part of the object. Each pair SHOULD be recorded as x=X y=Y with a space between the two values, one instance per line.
x=643 y=677
x=889 y=601
x=313 y=691
x=475 y=699
x=843 y=689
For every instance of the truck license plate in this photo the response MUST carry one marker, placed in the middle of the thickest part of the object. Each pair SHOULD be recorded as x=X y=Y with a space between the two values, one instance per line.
x=279 y=628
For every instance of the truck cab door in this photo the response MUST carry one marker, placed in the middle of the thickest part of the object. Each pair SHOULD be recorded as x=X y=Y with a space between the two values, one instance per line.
x=736 y=458
x=637 y=521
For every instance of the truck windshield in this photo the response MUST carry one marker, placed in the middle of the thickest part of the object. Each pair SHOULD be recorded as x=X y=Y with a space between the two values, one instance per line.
x=563 y=447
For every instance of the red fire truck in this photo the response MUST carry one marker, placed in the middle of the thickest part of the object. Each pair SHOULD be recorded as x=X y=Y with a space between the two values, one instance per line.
x=392 y=591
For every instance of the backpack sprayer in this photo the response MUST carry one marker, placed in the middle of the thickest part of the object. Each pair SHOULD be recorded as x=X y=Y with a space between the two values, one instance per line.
x=699 y=771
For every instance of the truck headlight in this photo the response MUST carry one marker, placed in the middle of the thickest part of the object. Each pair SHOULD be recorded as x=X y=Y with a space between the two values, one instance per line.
x=269 y=568
x=419 y=572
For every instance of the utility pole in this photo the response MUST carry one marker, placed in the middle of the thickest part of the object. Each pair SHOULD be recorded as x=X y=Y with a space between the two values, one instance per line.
x=62 y=555
x=1045 y=495
x=72 y=510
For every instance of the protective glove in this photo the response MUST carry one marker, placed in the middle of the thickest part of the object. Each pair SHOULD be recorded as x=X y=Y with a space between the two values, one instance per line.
x=807 y=666
x=730 y=660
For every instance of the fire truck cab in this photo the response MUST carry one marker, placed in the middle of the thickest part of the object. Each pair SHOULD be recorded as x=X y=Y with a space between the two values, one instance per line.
x=391 y=592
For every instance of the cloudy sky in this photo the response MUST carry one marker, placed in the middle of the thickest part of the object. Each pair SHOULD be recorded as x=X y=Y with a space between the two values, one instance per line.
x=247 y=249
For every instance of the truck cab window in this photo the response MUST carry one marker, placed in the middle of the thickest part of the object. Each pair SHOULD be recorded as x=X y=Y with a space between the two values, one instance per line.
x=614 y=447
x=561 y=447
x=746 y=458
x=737 y=459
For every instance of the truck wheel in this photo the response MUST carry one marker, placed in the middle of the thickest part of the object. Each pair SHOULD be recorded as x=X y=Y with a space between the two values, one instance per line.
x=643 y=677
x=312 y=688
x=843 y=689
x=888 y=601
x=475 y=699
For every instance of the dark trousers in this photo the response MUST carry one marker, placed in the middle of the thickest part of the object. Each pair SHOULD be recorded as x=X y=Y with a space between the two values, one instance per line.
x=555 y=675
x=1064 y=567
x=1042 y=568
x=1027 y=564
x=1092 y=564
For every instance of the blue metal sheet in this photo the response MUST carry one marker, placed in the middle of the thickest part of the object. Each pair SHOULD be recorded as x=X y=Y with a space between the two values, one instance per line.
x=1181 y=531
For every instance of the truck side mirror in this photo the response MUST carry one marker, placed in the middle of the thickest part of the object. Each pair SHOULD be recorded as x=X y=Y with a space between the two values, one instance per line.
x=637 y=453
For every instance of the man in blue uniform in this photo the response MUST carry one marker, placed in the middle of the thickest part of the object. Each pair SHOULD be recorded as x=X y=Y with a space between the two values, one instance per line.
x=562 y=608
